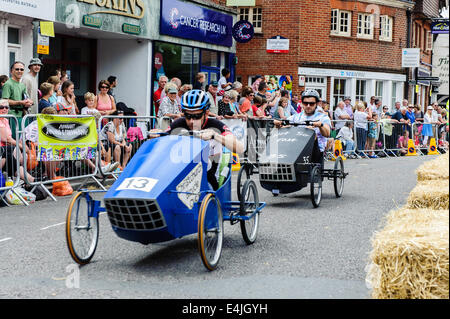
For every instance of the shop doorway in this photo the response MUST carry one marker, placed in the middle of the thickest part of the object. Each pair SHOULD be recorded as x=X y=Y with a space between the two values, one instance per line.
x=210 y=65
x=77 y=57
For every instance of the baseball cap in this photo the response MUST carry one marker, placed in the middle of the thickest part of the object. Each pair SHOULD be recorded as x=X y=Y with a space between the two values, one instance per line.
x=430 y=107
x=214 y=83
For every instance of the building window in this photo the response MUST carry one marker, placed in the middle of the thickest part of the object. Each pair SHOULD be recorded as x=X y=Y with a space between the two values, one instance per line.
x=339 y=90
x=13 y=35
x=386 y=24
x=365 y=26
x=379 y=90
x=360 y=90
x=429 y=41
x=340 y=22
x=394 y=95
x=252 y=15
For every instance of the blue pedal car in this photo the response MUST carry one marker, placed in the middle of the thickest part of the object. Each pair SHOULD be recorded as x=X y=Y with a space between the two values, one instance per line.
x=163 y=194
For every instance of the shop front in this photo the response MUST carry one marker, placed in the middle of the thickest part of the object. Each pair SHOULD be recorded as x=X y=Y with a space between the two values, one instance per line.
x=97 y=39
x=137 y=41
x=335 y=84
x=16 y=29
x=193 y=38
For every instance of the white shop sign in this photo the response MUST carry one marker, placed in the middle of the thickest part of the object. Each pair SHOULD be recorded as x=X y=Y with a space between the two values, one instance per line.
x=277 y=45
x=39 y=9
x=352 y=74
x=410 y=58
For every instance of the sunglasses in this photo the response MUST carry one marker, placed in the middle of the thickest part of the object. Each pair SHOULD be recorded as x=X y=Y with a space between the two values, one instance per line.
x=309 y=103
x=104 y=87
x=19 y=69
x=4 y=107
x=197 y=116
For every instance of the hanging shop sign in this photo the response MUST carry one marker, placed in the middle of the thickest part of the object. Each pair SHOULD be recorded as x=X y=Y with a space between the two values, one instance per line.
x=410 y=58
x=277 y=44
x=129 y=8
x=439 y=27
x=189 y=21
x=243 y=31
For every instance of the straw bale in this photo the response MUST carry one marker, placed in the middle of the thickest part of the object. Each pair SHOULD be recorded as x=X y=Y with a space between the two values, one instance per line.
x=429 y=194
x=410 y=256
x=437 y=168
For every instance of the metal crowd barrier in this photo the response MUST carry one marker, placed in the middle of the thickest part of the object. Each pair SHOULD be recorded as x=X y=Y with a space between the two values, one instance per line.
x=10 y=164
x=111 y=153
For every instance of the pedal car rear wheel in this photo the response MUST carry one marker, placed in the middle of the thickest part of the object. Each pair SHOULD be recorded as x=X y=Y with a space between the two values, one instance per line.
x=249 y=203
x=316 y=186
x=81 y=229
x=210 y=231
x=338 y=177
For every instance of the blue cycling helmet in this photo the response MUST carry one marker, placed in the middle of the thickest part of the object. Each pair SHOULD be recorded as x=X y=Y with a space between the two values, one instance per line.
x=195 y=100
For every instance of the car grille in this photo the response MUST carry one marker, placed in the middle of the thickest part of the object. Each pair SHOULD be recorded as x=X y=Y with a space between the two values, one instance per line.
x=135 y=214
x=276 y=173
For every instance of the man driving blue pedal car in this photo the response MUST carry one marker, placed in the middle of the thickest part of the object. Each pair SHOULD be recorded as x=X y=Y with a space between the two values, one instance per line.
x=195 y=107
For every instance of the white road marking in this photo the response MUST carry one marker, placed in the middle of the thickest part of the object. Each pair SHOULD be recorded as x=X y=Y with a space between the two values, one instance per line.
x=59 y=224
x=5 y=239
x=52 y=226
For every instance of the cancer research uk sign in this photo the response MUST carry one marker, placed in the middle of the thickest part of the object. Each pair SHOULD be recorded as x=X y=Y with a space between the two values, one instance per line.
x=39 y=9
x=184 y=20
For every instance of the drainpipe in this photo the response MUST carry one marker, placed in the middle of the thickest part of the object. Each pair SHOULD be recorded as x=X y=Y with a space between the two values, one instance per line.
x=408 y=45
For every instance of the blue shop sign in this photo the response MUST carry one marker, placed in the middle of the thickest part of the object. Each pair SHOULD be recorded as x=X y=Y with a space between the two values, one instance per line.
x=439 y=27
x=188 y=21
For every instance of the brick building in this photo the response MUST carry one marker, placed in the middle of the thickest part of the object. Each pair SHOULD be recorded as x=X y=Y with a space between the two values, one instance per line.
x=341 y=48
x=424 y=12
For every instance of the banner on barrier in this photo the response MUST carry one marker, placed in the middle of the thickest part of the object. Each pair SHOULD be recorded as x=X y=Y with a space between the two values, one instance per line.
x=66 y=138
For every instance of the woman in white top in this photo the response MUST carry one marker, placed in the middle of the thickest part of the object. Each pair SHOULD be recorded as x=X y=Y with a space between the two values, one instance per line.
x=68 y=97
x=427 y=129
x=361 y=117
x=117 y=134
x=346 y=136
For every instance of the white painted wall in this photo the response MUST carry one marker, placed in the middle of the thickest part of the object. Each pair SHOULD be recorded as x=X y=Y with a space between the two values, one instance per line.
x=130 y=61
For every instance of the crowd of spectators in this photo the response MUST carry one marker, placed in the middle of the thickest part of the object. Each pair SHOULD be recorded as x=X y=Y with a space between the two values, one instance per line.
x=21 y=94
x=364 y=128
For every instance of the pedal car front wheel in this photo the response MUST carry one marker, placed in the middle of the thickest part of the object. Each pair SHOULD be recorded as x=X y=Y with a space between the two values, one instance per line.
x=338 y=177
x=316 y=186
x=82 y=230
x=248 y=204
x=210 y=231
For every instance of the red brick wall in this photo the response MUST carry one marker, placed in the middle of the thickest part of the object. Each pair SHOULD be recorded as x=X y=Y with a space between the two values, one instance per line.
x=307 y=24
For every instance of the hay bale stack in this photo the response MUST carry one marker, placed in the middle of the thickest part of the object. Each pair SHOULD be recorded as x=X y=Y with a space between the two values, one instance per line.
x=429 y=194
x=410 y=257
x=437 y=168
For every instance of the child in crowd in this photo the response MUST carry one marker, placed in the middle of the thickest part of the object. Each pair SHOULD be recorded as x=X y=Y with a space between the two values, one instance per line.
x=89 y=109
x=47 y=91
x=372 y=134
x=403 y=143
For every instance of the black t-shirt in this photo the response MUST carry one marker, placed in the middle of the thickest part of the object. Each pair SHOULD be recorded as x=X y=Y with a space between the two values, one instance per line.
x=210 y=123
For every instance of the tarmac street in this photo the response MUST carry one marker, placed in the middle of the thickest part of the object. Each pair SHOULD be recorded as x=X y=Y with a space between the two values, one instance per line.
x=300 y=252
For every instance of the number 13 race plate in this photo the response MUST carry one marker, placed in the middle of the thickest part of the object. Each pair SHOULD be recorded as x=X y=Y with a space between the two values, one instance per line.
x=143 y=184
